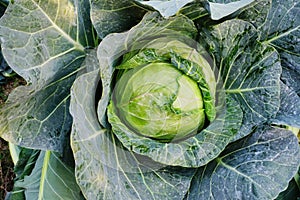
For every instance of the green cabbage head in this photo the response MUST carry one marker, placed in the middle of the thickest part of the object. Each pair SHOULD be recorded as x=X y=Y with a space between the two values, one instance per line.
x=165 y=90
x=158 y=101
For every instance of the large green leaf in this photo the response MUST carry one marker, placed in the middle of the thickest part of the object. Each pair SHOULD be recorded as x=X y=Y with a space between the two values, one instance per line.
x=250 y=71
x=104 y=169
x=257 y=167
x=49 y=179
x=110 y=16
x=44 y=43
x=166 y=8
x=282 y=31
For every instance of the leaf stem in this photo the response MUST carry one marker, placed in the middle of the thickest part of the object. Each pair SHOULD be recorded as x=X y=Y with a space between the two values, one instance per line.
x=43 y=175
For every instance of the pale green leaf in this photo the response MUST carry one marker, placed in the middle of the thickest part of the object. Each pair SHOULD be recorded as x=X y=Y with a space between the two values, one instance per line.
x=166 y=8
x=195 y=151
x=221 y=9
x=44 y=42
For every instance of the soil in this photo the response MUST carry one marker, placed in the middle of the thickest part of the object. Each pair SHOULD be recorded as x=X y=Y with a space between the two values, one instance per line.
x=6 y=169
x=6 y=165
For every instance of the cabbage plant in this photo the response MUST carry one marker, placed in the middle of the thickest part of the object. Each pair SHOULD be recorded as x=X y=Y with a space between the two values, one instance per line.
x=153 y=99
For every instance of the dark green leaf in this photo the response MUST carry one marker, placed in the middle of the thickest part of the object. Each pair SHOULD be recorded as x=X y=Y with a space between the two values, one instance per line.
x=110 y=16
x=289 y=112
x=250 y=71
x=291 y=78
x=26 y=162
x=256 y=13
x=88 y=38
x=291 y=193
x=257 y=167
x=282 y=31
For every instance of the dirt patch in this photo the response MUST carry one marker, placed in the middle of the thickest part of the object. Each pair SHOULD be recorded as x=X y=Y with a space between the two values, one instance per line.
x=10 y=84
x=6 y=169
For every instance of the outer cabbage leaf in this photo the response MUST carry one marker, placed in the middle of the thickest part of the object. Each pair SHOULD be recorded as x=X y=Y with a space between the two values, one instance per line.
x=282 y=31
x=258 y=167
x=49 y=179
x=105 y=169
x=110 y=16
x=167 y=8
x=195 y=151
x=44 y=43
x=250 y=71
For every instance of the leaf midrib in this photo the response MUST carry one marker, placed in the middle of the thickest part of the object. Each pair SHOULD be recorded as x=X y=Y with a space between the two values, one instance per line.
x=277 y=37
x=44 y=174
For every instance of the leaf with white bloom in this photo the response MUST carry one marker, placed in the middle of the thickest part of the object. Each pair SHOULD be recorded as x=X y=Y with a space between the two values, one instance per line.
x=43 y=43
x=258 y=167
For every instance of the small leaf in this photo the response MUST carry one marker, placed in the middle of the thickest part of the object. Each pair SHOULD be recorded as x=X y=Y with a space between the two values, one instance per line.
x=220 y=10
x=167 y=8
